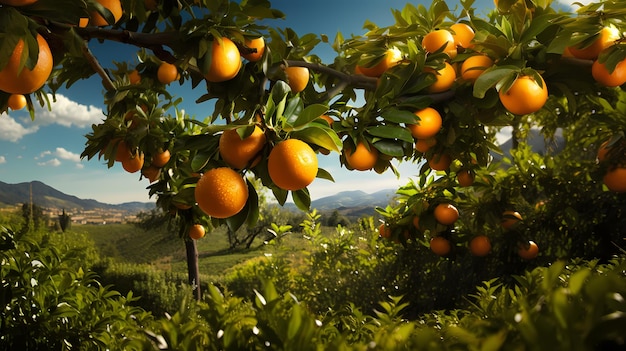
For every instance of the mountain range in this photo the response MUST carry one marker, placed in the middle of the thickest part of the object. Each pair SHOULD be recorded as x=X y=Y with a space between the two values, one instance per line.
x=46 y=196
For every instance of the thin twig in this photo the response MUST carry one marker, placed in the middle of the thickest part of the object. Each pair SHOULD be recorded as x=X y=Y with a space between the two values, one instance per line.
x=93 y=61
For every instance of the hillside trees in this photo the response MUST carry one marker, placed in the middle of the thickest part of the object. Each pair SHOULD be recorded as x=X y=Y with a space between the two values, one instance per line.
x=416 y=107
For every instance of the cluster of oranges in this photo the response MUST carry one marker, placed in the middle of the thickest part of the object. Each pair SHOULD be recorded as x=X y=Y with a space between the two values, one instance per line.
x=446 y=215
x=222 y=192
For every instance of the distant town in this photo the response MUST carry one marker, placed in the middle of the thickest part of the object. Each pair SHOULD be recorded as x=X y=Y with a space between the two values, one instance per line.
x=100 y=216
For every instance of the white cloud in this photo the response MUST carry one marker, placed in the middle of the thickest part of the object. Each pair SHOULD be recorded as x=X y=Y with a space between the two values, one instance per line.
x=64 y=112
x=67 y=155
x=3 y=160
x=11 y=130
x=52 y=163
x=80 y=166
x=68 y=113
x=44 y=154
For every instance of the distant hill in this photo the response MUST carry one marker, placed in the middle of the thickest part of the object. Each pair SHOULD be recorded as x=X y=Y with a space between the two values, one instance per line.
x=46 y=196
x=354 y=198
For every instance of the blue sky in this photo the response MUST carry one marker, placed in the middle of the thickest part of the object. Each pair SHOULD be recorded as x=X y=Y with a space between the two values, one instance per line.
x=48 y=148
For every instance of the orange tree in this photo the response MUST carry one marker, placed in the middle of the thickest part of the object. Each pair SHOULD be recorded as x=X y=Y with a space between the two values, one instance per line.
x=539 y=76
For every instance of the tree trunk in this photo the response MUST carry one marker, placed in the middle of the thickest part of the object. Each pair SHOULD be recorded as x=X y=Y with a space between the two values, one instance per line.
x=193 y=270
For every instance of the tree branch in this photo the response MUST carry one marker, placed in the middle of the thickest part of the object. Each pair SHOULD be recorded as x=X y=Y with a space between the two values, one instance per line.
x=93 y=61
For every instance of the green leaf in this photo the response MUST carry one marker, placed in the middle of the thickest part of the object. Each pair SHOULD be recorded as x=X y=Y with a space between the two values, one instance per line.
x=391 y=132
x=491 y=77
x=307 y=115
x=398 y=116
x=302 y=199
x=320 y=135
x=324 y=174
x=578 y=279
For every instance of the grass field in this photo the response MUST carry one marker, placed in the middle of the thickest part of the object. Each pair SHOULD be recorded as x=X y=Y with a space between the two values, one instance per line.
x=165 y=250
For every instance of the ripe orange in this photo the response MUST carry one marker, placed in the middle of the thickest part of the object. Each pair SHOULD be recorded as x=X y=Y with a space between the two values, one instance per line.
x=16 y=102
x=446 y=214
x=132 y=162
x=196 y=231
x=221 y=192
x=238 y=153
x=528 y=251
x=115 y=6
x=298 y=78
x=134 y=77
x=393 y=56
x=445 y=78
x=259 y=45
x=122 y=150
x=474 y=66
x=613 y=79
x=328 y=119
x=440 y=246
x=423 y=145
x=27 y=80
x=225 y=61
x=17 y=2
x=161 y=159
x=524 y=96
x=384 y=231
x=463 y=35
x=606 y=37
x=615 y=179
x=465 y=177
x=603 y=150
x=292 y=164
x=167 y=73
x=428 y=124
x=362 y=158
x=416 y=222
x=152 y=173
x=436 y=39
x=510 y=218
x=480 y=246
x=440 y=162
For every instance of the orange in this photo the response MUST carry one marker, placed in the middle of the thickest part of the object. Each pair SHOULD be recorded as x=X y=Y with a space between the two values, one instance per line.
x=297 y=77
x=167 y=73
x=416 y=222
x=384 y=231
x=27 y=80
x=16 y=102
x=606 y=37
x=445 y=78
x=615 y=179
x=259 y=45
x=463 y=35
x=480 y=246
x=510 y=218
x=528 y=251
x=161 y=159
x=446 y=214
x=152 y=173
x=238 y=153
x=423 y=145
x=428 y=124
x=609 y=79
x=221 y=192
x=132 y=162
x=196 y=231
x=603 y=150
x=225 y=61
x=115 y=6
x=440 y=246
x=465 y=177
x=328 y=119
x=440 y=162
x=134 y=77
x=393 y=56
x=437 y=39
x=122 y=150
x=292 y=164
x=362 y=158
x=474 y=66
x=524 y=96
